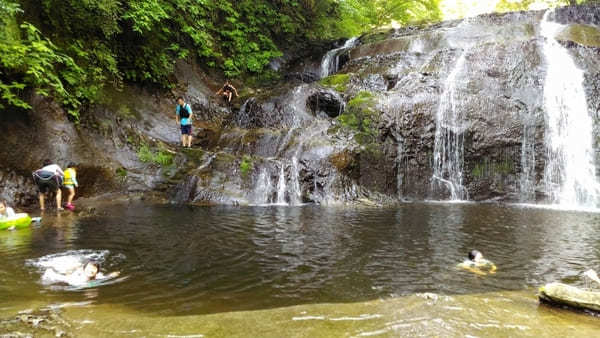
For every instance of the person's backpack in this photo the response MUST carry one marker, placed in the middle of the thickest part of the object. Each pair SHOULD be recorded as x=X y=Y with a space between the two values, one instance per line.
x=184 y=113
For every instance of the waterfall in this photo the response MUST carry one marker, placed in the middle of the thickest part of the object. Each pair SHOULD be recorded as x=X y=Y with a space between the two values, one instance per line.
x=281 y=186
x=295 y=192
x=330 y=62
x=448 y=154
x=527 y=179
x=399 y=169
x=570 y=172
x=263 y=189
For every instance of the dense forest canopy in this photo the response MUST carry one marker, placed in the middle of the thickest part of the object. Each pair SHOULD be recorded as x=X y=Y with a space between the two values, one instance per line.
x=71 y=49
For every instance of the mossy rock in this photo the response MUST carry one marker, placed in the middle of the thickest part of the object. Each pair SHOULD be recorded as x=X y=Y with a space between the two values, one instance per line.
x=246 y=165
x=376 y=36
x=562 y=294
x=361 y=117
x=343 y=161
x=339 y=82
x=584 y=35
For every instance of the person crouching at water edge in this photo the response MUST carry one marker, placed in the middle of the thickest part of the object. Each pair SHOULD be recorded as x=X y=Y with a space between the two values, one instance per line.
x=183 y=115
x=50 y=177
x=477 y=264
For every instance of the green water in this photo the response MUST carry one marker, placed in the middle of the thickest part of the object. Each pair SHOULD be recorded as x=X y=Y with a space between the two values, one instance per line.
x=303 y=271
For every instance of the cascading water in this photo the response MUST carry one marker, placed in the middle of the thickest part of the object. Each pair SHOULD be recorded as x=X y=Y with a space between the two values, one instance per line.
x=281 y=186
x=527 y=179
x=448 y=156
x=331 y=59
x=263 y=189
x=570 y=172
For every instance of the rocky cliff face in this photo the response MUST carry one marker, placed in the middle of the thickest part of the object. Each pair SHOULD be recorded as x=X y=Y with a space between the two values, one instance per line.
x=410 y=113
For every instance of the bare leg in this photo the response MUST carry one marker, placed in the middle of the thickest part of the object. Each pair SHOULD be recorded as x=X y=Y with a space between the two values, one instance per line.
x=189 y=140
x=58 y=199
x=183 y=139
x=41 y=197
x=71 y=195
x=229 y=96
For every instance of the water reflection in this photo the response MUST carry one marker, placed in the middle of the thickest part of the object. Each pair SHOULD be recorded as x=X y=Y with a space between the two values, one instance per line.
x=182 y=260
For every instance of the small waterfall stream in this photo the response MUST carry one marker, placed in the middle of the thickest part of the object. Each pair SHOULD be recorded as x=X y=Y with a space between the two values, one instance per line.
x=331 y=59
x=570 y=172
x=448 y=156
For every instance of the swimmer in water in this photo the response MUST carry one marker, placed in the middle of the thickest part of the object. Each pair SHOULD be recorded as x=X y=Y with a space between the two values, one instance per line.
x=81 y=276
x=477 y=264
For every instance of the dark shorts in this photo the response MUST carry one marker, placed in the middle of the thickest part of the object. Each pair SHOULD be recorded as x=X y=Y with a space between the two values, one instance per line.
x=186 y=129
x=47 y=181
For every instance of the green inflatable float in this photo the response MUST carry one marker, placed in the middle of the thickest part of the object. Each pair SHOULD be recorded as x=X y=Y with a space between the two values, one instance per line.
x=562 y=294
x=21 y=220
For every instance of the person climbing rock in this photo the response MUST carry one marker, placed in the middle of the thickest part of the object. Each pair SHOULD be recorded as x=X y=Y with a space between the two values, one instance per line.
x=183 y=115
x=227 y=91
x=5 y=210
x=477 y=264
x=70 y=183
x=49 y=178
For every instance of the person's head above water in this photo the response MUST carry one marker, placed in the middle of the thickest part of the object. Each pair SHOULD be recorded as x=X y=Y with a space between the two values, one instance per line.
x=47 y=162
x=91 y=269
x=475 y=255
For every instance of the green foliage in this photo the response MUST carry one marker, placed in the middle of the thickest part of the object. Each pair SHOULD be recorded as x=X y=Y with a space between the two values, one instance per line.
x=121 y=173
x=358 y=16
x=160 y=157
x=338 y=82
x=73 y=49
x=246 y=165
x=360 y=116
x=35 y=62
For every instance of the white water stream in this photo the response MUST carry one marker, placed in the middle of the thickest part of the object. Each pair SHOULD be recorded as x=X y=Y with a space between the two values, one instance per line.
x=570 y=173
x=448 y=154
x=330 y=62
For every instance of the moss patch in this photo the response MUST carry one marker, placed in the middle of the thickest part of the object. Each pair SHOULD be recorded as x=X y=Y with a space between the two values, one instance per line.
x=486 y=169
x=246 y=165
x=361 y=117
x=339 y=82
x=343 y=161
x=160 y=156
x=581 y=34
x=376 y=36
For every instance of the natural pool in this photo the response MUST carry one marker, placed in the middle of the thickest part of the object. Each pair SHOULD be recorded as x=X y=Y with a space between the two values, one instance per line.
x=307 y=271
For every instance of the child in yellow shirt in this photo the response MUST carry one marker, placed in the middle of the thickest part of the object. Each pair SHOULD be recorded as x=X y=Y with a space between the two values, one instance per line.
x=70 y=182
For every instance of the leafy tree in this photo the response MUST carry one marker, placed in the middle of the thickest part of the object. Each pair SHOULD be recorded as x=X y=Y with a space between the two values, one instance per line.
x=360 y=15
x=71 y=49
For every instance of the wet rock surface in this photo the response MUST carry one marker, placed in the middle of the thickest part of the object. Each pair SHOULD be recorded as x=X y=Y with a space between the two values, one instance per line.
x=369 y=135
x=45 y=321
x=327 y=102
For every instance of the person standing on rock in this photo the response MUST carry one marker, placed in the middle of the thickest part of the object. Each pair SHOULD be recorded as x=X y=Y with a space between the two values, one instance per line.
x=183 y=115
x=50 y=177
x=227 y=91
